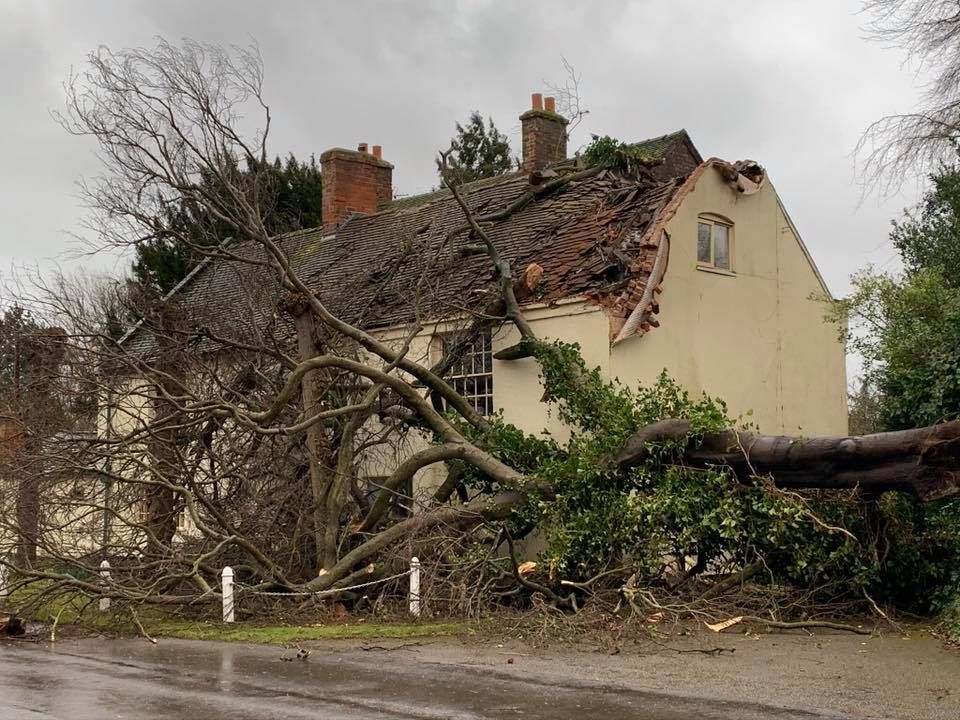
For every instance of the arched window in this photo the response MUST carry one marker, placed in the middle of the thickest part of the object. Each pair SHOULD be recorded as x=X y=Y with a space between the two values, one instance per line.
x=715 y=242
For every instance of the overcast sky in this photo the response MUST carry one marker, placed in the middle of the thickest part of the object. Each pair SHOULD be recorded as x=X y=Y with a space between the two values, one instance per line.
x=789 y=84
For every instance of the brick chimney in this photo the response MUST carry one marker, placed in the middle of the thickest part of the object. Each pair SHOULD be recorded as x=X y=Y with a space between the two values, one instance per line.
x=544 y=134
x=354 y=181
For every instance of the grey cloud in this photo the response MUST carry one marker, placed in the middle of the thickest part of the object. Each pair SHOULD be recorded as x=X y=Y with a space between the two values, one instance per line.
x=789 y=84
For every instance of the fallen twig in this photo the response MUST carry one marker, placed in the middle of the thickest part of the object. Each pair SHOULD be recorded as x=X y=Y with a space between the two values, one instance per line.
x=807 y=624
x=709 y=651
x=587 y=583
x=404 y=646
x=732 y=581
x=53 y=628
x=136 y=620
x=881 y=613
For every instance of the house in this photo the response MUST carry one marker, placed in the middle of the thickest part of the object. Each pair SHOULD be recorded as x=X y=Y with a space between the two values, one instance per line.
x=695 y=267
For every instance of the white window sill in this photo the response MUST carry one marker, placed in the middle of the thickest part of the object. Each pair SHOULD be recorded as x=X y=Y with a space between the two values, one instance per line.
x=716 y=270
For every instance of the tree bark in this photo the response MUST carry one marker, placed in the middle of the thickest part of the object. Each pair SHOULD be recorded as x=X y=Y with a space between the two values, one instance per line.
x=44 y=352
x=924 y=462
x=318 y=445
x=161 y=500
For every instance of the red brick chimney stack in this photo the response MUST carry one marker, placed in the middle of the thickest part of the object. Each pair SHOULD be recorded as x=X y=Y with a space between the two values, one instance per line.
x=544 y=134
x=354 y=181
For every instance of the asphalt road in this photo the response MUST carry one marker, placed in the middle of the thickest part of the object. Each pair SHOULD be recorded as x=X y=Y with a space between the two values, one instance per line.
x=131 y=679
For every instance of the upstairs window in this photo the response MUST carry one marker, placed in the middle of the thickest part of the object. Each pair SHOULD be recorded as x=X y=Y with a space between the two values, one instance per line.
x=714 y=242
x=472 y=373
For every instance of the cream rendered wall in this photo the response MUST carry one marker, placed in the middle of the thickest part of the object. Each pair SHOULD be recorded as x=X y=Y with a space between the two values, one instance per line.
x=78 y=528
x=516 y=386
x=381 y=460
x=755 y=337
x=813 y=359
x=718 y=333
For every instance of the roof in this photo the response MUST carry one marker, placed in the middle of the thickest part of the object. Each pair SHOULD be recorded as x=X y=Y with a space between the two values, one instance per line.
x=399 y=265
x=677 y=151
x=680 y=155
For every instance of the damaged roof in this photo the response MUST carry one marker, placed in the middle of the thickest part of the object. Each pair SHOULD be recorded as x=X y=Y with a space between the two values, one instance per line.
x=589 y=235
x=678 y=153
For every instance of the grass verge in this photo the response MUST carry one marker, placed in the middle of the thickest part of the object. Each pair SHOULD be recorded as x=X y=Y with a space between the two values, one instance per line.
x=73 y=610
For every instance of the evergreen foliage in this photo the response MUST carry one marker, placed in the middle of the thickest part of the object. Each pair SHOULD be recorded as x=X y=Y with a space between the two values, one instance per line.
x=907 y=326
x=929 y=237
x=478 y=151
x=289 y=197
x=15 y=323
x=610 y=152
x=596 y=516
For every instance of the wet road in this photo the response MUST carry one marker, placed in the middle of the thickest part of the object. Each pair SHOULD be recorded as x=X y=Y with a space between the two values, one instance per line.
x=133 y=680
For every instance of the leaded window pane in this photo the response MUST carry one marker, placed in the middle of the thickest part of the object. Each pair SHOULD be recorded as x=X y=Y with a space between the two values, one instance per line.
x=721 y=246
x=472 y=374
x=703 y=243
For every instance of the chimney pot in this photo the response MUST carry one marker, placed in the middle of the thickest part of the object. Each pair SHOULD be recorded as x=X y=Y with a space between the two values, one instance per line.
x=378 y=152
x=362 y=147
x=536 y=101
x=550 y=104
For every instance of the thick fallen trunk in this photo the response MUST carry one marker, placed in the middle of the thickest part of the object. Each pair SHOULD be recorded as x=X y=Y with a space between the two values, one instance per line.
x=924 y=462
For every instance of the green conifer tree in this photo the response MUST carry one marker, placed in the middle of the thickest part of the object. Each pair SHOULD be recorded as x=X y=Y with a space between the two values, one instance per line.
x=292 y=201
x=479 y=150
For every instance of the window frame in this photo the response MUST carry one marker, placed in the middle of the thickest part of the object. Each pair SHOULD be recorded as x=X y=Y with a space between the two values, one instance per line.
x=474 y=381
x=713 y=220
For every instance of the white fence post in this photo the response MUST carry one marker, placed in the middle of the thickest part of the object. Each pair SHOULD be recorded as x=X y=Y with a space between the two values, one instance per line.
x=105 y=574
x=227 y=589
x=415 y=587
x=4 y=574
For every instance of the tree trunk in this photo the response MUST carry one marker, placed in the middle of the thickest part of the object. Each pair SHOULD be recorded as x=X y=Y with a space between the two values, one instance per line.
x=44 y=351
x=924 y=462
x=160 y=500
x=28 y=506
x=318 y=446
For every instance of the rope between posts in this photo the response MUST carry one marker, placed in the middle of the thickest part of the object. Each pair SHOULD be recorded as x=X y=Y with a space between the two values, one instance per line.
x=320 y=593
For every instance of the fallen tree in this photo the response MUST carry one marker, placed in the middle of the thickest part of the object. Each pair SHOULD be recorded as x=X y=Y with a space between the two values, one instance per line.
x=924 y=461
